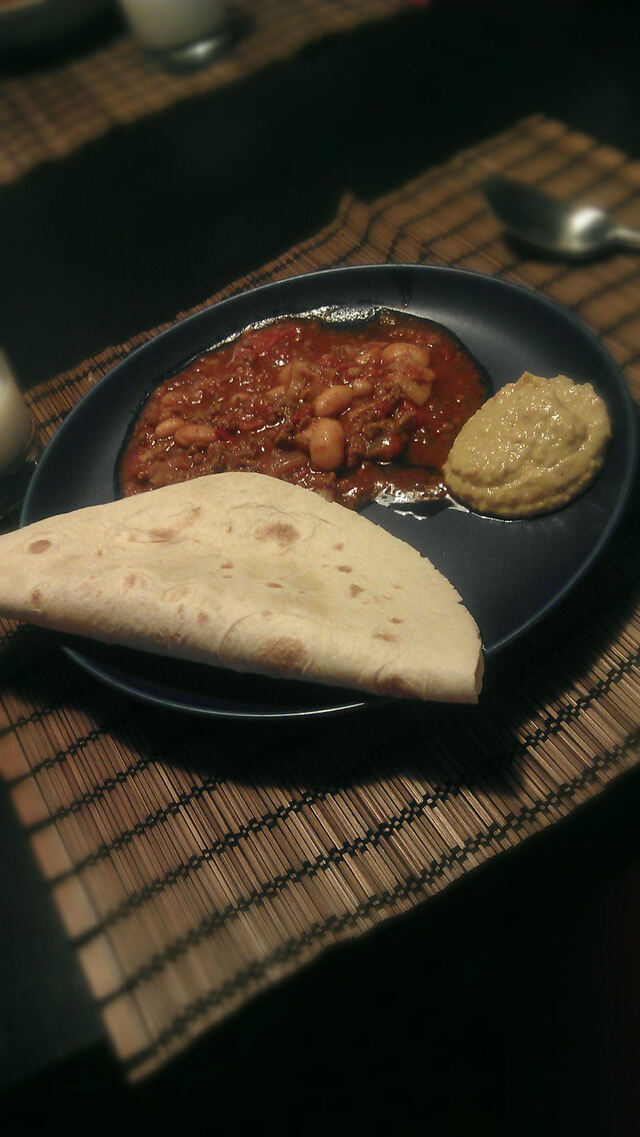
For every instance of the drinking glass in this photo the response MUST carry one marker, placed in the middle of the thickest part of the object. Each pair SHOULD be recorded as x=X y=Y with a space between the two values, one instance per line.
x=179 y=34
x=20 y=446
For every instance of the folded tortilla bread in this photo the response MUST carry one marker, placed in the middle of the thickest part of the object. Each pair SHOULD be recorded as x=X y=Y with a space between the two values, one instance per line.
x=243 y=571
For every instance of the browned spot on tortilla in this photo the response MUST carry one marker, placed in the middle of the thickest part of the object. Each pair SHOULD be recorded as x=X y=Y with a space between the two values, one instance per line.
x=166 y=636
x=397 y=620
x=339 y=546
x=282 y=532
x=397 y=687
x=284 y=652
x=273 y=584
x=203 y=618
x=180 y=610
x=344 y=568
x=396 y=586
x=152 y=536
x=36 y=598
x=388 y=636
x=178 y=593
x=130 y=580
x=40 y=546
x=266 y=613
x=226 y=564
x=355 y=589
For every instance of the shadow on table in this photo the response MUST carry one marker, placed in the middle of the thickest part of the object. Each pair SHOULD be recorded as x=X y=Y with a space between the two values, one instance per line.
x=482 y=1012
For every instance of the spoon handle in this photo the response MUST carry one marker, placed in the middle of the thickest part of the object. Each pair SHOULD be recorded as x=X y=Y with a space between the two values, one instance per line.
x=623 y=235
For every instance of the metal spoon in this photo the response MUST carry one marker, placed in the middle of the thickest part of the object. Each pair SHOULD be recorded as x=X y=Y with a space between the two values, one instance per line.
x=555 y=227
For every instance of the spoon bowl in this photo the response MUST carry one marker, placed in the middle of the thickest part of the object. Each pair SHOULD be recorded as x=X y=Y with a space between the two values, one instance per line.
x=556 y=228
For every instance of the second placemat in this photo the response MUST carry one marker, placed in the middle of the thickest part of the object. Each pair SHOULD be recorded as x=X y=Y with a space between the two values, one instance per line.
x=48 y=114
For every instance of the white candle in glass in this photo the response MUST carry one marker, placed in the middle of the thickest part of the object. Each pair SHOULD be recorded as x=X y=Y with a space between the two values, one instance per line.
x=16 y=425
x=160 y=25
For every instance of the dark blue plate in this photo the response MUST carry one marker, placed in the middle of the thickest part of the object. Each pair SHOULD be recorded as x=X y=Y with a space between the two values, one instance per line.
x=509 y=573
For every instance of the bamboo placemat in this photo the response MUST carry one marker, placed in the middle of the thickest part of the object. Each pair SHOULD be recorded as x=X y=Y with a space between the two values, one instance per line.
x=49 y=113
x=195 y=863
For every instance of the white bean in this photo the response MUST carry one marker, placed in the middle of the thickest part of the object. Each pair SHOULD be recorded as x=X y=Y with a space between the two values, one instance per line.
x=167 y=427
x=401 y=354
x=332 y=401
x=275 y=394
x=326 y=443
x=418 y=389
x=361 y=387
x=196 y=434
x=297 y=371
x=170 y=400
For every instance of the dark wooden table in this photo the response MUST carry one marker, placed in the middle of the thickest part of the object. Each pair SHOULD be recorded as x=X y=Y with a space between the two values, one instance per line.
x=119 y=237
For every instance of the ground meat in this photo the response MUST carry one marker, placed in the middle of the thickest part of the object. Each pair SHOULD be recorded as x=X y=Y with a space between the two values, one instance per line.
x=342 y=409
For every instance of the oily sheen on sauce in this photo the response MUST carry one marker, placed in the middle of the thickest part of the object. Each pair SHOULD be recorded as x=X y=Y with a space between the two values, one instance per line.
x=346 y=410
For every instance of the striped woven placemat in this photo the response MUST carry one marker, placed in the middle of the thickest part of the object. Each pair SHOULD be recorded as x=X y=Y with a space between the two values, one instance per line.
x=195 y=863
x=49 y=113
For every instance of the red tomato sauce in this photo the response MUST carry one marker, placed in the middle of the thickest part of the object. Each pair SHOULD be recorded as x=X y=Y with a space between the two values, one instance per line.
x=347 y=410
